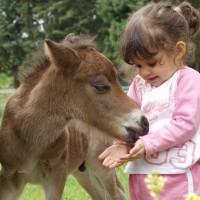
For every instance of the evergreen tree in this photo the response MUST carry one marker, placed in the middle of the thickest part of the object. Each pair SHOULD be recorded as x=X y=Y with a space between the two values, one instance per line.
x=24 y=24
x=18 y=34
x=114 y=15
x=66 y=16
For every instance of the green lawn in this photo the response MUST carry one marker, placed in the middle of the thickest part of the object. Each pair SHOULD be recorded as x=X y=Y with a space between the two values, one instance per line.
x=3 y=98
x=72 y=189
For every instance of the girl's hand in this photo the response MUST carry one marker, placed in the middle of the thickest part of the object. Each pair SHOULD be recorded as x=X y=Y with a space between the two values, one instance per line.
x=112 y=155
x=136 y=152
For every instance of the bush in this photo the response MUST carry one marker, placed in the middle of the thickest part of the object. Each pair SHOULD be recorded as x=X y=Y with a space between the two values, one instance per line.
x=6 y=81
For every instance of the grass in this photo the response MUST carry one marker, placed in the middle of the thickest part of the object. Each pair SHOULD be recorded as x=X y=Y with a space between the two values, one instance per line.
x=72 y=190
x=3 y=98
x=6 y=81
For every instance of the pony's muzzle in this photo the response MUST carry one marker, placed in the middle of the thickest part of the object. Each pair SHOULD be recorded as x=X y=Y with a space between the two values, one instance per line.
x=145 y=125
x=134 y=133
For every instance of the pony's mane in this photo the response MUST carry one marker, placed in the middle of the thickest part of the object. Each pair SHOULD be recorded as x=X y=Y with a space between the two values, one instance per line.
x=80 y=41
x=40 y=61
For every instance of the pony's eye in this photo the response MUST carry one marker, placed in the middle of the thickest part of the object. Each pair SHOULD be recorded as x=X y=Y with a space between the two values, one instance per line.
x=138 y=66
x=102 y=88
x=100 y=83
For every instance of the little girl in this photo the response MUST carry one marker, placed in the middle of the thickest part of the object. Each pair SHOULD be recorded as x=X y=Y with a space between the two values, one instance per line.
x=157 y=41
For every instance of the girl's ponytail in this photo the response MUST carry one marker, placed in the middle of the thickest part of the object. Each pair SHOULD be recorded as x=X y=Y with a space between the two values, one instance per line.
x=192 y=16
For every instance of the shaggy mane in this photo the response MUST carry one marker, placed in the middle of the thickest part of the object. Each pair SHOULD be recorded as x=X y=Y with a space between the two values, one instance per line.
x=81 y=41
x=40 y=62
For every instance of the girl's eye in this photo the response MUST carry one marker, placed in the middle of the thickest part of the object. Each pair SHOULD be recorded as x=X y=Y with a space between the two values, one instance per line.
x=152 y=64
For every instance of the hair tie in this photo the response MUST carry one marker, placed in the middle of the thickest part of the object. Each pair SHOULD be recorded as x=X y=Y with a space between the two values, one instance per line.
x=177 y=9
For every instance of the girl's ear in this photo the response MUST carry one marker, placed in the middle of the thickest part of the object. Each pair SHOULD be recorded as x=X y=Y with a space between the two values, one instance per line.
x=180 y=53
x=180 y=49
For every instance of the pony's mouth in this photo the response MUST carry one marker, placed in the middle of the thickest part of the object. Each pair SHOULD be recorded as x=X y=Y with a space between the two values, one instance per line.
x=134 y=133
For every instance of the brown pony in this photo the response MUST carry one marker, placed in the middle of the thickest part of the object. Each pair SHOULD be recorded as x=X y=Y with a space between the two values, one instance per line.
x=51 y=123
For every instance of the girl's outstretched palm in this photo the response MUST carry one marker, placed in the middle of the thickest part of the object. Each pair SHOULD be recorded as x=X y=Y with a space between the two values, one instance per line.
x=111 y=156
x=117 y=154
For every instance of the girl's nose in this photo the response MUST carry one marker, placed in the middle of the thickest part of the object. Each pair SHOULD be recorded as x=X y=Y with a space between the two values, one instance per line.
x=144 y=71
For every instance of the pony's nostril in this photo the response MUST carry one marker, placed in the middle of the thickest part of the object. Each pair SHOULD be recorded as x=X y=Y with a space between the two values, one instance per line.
x=145 y=124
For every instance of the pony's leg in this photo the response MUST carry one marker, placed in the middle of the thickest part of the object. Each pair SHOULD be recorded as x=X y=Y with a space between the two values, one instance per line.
x=110 y=182
x=101 y=186
x=91 y=184
x=107 y=177
x=53 y=181
x=11 y=185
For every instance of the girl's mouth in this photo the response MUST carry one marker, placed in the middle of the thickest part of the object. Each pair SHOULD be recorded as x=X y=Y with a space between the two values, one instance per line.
x=153 y=79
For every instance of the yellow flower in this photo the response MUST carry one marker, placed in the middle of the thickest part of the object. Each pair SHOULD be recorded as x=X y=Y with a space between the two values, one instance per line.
x=155 y=184
x=192 y=197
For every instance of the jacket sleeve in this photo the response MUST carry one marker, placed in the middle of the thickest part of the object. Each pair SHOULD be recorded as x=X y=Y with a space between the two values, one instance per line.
x=186 y=117
x=132 y=92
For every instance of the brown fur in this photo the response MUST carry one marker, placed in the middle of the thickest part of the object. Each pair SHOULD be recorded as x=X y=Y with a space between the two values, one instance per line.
x=47 y=129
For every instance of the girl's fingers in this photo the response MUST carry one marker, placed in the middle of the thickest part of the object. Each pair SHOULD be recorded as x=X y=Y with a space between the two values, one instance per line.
x=126 y=157
x=108 y=162
x=130 y=157
x=138 y=146
x=139 y=154
x=112 y=163
x=116 y=164
x=103 y=155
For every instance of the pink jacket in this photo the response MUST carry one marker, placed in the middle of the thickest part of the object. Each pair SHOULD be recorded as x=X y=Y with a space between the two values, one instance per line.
x=173 y=110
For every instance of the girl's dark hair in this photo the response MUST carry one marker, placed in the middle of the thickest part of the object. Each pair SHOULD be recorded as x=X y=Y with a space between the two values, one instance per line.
x=158 y=26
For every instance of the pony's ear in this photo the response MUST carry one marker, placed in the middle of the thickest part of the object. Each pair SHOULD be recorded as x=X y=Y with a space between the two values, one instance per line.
x=59 y=55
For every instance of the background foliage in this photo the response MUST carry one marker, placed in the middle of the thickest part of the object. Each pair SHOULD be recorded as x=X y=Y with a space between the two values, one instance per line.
x=24 y=24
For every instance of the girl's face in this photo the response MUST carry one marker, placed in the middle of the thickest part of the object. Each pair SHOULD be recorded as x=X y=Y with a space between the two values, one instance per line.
x=158 y=69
